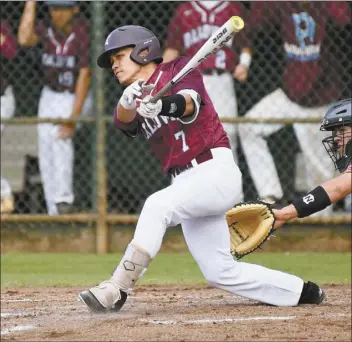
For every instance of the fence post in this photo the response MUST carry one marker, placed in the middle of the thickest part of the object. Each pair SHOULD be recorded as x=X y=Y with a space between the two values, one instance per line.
x=98 y=77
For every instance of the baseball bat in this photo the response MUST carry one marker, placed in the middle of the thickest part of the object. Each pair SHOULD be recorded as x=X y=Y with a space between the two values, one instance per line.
x=213 y=44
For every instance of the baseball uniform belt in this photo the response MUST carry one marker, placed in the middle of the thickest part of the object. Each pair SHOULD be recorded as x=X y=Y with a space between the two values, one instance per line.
x=201 y=158
x=213 y=71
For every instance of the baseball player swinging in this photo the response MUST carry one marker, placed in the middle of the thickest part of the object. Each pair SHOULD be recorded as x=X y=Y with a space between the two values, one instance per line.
x=186 y=135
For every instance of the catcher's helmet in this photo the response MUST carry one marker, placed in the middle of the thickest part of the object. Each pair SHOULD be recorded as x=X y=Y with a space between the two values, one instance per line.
x=59 y=3
x=337 y=116
x=135 y=36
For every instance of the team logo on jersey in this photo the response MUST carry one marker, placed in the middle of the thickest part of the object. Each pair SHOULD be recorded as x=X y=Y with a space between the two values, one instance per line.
x=305 y=28
x=308 y=199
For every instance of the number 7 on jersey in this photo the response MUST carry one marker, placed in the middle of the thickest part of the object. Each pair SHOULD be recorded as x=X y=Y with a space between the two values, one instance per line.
x=181 y=134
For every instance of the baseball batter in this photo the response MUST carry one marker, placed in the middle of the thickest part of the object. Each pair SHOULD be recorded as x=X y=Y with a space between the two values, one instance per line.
x=186 y=135
x=191 y=26
x=309 y=84
x=65 y=64
x=8 y=49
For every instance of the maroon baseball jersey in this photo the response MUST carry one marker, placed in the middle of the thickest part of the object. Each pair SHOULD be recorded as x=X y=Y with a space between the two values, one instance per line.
x=63 y=55
x=310 y=76
x=8 y=50
x=193 y=24
x=175 y=144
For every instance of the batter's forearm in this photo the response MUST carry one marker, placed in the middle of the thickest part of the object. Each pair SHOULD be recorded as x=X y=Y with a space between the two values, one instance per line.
x=125 y=115
x=81 y=91
x=26 y=34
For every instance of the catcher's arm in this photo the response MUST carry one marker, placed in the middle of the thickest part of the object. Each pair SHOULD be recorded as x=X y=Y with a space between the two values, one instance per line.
x=316 y=200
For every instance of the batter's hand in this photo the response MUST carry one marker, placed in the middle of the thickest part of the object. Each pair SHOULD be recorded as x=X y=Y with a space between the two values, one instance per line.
x=240 y=73
x=149 y=110
x=66 y=131
x=136 y=89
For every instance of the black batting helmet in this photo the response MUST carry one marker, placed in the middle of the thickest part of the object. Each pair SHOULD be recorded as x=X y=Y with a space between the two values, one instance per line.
x=337 y=116
x=135 y=36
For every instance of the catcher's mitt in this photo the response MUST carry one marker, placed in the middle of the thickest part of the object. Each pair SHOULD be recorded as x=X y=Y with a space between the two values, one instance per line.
x=250 y=224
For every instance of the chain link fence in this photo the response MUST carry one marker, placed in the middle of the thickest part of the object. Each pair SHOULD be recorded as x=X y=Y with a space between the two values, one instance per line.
x=301 y=64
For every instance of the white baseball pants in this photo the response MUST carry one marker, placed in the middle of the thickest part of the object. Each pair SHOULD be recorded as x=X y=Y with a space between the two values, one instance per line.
x=56 y=155
x=319 y=167
x=198 y=199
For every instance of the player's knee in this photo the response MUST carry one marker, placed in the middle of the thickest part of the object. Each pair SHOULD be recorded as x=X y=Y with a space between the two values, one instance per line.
x=158 y=204
x=221 y=273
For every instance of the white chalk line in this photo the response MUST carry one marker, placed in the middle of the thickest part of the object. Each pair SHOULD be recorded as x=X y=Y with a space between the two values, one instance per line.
x=24 y=300
x=237 y=319
x=222 y=320
x=17 y=328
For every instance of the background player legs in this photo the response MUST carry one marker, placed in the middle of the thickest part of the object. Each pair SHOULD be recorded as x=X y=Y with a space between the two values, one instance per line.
x=221 y=90
x=63 y=164
x=260 y=162
x=46 y=164
x=209 y=242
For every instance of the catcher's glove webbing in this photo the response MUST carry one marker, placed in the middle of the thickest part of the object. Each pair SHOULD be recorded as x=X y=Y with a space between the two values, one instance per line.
x=250 y=224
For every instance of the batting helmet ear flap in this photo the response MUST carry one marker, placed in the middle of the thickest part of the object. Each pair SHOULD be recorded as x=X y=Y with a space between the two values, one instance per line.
x=152 y=55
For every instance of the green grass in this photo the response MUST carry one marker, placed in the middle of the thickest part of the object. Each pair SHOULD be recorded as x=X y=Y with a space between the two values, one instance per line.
x=49 y=269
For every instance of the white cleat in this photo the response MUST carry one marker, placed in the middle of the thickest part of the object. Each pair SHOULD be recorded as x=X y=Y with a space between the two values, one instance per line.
x=104 y=297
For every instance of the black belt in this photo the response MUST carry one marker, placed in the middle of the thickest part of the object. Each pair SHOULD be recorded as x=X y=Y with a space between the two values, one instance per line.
x=213 y=71
x=201 y=158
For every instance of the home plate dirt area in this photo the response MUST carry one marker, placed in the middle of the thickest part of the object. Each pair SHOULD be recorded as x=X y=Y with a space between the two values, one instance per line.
x=171 y=313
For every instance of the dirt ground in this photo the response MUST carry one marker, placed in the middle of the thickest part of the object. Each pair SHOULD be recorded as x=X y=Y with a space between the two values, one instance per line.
x=169 y=313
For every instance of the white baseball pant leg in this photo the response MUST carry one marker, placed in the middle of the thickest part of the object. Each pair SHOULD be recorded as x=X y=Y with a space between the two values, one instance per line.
x=198 y=199
x=255 y=147
x=55 y=155
x=8 y=106
x=221 y=90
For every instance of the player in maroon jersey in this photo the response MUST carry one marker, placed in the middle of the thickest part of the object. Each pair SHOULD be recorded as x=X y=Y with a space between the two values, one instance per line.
x=310 y=84
x=8 y=49
x=65 y=63
x=190 y=27
x=184 y=131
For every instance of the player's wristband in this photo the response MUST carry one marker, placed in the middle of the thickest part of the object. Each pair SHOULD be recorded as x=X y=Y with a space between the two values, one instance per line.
x=246 y=59
x=312 y=202
x=173 y=105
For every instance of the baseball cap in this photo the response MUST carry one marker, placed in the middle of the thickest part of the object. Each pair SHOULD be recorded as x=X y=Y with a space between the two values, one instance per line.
x=59 y=3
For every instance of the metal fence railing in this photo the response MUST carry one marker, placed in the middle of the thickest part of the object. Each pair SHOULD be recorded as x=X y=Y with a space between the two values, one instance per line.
x=106 y=176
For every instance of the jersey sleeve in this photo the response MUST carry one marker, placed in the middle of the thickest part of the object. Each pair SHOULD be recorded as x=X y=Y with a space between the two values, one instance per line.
x=349 y=168
x=131 y=129
x=340 y=12
x=84 y=47
x=9 y=44
x=194 y=80
x=174 y=37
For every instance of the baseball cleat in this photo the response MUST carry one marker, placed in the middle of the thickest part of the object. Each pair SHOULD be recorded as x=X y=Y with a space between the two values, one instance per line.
x=103 y=298
x=312 y=294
